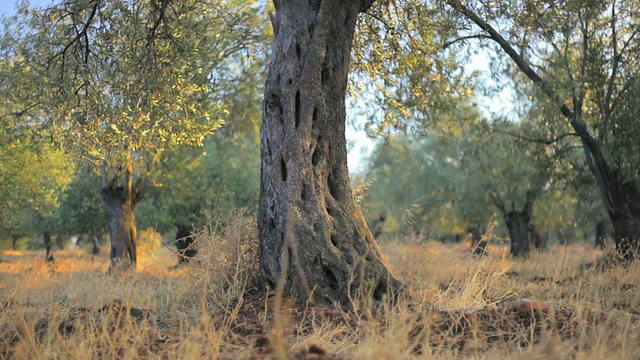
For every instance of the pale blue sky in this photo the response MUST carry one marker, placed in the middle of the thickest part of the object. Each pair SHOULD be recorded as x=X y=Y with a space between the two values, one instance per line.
x=7 y=7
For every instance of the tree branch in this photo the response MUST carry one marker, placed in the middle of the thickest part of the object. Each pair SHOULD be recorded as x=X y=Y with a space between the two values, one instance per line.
x=156 y=24
x=81 y=34
x=366 y=4
x=513 y=54
x=583 y=65
x=468 y=37
x=536 y=140
x=616 y=62
x=497 y=201
x=21 y=112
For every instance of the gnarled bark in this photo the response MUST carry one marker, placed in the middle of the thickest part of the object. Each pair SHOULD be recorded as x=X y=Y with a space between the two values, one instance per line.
x=312 y=236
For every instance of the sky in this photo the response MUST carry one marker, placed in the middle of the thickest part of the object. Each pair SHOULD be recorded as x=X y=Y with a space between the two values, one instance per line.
x=7 y=7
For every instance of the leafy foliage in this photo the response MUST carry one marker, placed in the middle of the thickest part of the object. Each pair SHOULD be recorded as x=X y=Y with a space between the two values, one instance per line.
x=405 y=64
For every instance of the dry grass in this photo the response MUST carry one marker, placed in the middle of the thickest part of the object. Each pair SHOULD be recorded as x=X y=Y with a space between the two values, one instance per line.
x=462 y=307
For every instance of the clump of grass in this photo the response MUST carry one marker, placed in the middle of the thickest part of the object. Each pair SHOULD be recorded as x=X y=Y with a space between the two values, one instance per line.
x=460 y=306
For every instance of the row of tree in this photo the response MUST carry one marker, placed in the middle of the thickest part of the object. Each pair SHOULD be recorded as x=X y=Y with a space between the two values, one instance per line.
x=132 y=90
x=104 y=105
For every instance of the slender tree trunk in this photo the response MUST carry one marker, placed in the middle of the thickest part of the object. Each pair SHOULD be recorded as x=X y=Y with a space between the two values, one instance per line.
x=311 y=234
x=61 y=242
x=540 y=241
x=46 y=236
x=518 y=225
x=95 y=241
x=185 y=243
x=122 y=227
x=14 y=242
x=478 y=245
x=601 y=240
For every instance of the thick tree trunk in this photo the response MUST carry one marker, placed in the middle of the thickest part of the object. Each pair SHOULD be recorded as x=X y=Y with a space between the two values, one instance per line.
x=478 y=245
x=185 y=243
x=625 y=232
x=621 y=199
x=46 y=236
x=601 y=239
x=122 y=227
x=312 y=236
x=518 y=224
x=518 y=221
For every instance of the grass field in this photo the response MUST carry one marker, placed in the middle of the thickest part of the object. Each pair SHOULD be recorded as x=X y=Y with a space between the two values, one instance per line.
x=494 y=308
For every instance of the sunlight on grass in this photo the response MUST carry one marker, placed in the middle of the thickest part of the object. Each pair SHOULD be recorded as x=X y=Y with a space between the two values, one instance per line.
x=461 y=307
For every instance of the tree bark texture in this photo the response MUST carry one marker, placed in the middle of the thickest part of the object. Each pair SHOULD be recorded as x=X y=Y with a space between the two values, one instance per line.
x=312 y=236
x=185 y=244
x=518 y=225
x=122 y=227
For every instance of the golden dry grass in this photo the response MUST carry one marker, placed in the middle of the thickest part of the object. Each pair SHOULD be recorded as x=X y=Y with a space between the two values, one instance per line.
x=461 y=307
